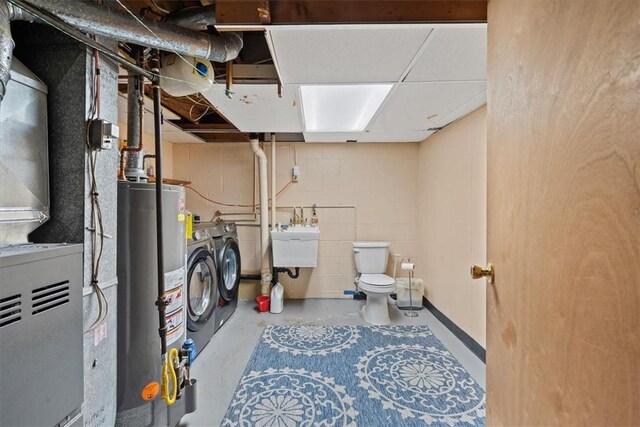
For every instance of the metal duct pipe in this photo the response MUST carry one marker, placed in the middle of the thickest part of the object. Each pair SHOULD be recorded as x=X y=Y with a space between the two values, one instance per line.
x=111 y=23
x=8 y=12
x=196 y=18
x=264 y=214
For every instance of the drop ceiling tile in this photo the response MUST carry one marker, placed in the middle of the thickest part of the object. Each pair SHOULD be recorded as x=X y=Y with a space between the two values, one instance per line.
x=390 y=135
x=345 y=54
x=258 y=108
x=416 y=107
x=370 y=136
x=178 y=136
x=331 y=136
x=467 y=108
x=453 y=53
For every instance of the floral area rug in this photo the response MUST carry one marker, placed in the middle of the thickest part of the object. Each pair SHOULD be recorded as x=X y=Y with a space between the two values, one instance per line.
x=334 y=376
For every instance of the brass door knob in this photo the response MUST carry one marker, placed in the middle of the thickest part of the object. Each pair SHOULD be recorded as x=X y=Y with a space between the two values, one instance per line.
x=478 y=272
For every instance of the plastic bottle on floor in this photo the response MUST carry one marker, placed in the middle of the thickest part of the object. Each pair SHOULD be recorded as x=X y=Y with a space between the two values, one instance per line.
x=277 y=298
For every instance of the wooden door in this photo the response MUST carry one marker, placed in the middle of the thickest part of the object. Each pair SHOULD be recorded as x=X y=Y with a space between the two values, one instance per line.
x=563 y=319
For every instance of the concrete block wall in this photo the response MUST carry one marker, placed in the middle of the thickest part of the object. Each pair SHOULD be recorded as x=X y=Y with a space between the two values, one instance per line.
x=380 y=180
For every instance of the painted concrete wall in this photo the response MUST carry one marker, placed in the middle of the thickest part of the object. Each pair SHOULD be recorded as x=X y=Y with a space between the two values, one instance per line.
x=452 y=210
x=380 y=179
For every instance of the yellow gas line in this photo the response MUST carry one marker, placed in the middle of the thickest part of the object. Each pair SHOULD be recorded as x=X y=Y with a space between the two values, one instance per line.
x=169 y=373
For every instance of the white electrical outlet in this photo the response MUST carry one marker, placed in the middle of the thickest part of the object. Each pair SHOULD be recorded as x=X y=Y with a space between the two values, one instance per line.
x=295 y=173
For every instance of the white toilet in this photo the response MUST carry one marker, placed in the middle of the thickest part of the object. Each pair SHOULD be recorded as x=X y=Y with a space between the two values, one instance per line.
x=371 y=263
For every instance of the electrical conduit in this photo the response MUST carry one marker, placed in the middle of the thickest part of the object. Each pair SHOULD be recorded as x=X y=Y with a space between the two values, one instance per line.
x=265 y=270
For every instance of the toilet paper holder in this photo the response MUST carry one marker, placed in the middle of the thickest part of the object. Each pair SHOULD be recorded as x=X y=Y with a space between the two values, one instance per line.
x=407 y=266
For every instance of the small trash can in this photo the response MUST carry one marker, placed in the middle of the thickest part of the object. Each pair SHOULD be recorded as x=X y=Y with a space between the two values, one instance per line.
x=263 y=302
x=402 y=292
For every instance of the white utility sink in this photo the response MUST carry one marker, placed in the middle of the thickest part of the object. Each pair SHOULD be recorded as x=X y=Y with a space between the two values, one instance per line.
x=296 y=246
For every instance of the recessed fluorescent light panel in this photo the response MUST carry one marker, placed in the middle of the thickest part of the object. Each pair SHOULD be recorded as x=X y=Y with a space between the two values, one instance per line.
x=341 y=108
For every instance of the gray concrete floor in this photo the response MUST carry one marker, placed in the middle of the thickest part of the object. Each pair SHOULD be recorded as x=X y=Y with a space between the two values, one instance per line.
x=220 y=365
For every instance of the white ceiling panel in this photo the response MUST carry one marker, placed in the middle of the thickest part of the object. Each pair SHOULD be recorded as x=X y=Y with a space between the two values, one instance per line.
x=456 y=53
x=388 y=135
x=394 y=135
x=170 y=134
x=468 y=107
x=331 y=136
x=416 y=107
x=345 y=53
x=257 y=108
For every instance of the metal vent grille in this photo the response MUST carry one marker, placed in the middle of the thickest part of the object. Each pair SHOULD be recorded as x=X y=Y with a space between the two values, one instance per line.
x=49 y=297
x=10 y=310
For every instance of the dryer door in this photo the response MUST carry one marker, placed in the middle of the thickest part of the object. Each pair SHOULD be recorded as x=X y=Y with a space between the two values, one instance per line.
x=202 y=288
x=229 y=262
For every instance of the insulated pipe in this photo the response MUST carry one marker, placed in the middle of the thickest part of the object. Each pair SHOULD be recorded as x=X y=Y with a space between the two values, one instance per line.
x=273 y=180
x=27 y=12
x=114 y=24
x=194 y=18
x=264 y=214
x=135 y=113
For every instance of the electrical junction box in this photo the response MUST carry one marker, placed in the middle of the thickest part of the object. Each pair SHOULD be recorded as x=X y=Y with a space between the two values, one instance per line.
x=296 y=173
x=103 y=134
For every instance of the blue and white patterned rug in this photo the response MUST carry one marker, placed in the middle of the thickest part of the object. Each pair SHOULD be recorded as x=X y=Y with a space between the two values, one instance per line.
x=333 y=376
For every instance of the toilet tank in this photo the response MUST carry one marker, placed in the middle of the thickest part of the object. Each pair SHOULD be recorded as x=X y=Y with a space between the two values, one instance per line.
x=371 y=257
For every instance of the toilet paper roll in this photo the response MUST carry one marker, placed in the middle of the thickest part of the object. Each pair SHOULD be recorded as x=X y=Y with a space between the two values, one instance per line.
x=407 y=266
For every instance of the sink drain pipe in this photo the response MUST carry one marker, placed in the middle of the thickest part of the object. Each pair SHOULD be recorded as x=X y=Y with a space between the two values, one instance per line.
x=265 y=270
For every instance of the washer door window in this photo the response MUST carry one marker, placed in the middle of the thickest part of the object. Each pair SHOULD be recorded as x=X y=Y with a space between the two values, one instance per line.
x=229 y=270
x=202 y=285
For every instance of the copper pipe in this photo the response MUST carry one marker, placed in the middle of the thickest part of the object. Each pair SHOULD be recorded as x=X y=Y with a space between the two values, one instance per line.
x=121 y=176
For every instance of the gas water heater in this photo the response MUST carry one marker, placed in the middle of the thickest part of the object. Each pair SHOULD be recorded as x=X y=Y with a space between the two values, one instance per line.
x=140 y=365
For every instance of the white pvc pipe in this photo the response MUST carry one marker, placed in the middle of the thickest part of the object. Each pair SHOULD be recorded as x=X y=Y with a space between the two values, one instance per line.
x=273 y=180
x=264 y=216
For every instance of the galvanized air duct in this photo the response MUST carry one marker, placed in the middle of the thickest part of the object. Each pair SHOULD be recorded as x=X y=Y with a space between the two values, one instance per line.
x=119 y=25
x=195 y=18
x=8 y=13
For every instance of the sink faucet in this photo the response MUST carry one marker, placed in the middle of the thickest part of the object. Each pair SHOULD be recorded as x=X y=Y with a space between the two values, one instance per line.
x=298 y=219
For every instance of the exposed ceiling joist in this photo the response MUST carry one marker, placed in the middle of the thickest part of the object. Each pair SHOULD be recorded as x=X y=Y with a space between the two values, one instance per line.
x=222 y=137
x=208 y=128
x=251 y=12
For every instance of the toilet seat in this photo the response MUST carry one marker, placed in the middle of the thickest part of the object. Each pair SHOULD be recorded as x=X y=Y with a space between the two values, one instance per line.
x=378 y=283
x=377 y=279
